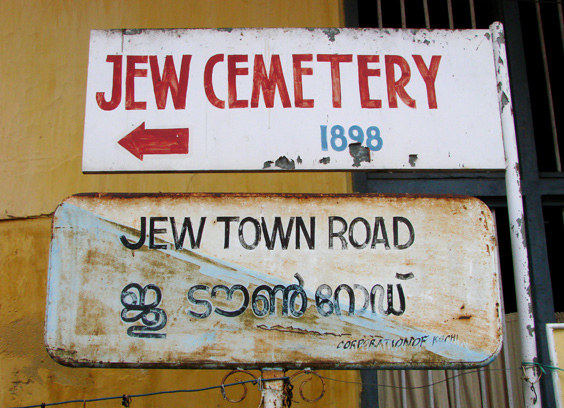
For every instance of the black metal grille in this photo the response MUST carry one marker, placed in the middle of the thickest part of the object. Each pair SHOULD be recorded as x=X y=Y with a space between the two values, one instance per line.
x=535 y=44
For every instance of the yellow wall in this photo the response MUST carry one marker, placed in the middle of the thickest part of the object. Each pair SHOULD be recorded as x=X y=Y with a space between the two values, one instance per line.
x=43 y=61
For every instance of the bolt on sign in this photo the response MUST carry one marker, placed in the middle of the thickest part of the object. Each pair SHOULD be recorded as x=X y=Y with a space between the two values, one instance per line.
x=291 y=99
x=255 y=281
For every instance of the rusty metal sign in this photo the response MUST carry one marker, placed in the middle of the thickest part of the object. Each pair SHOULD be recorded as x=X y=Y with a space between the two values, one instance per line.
x=291 y=99
x=254 y=281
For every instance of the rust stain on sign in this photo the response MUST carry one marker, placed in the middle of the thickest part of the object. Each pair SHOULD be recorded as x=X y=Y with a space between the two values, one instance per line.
x=343 y=281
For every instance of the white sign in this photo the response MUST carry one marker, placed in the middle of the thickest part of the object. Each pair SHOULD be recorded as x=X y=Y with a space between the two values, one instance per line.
x=254 y=281
x=291 y=99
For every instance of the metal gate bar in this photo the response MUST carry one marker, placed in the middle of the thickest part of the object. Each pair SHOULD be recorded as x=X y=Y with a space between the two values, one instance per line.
x=549 y=97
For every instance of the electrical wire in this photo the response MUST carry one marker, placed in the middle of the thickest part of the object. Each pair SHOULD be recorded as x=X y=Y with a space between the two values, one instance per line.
x=151 y=393
x=408 y=388
x=446 y=379
x=256 y=381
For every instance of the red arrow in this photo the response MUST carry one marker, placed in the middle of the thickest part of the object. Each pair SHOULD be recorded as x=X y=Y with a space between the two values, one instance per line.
x=143 y=141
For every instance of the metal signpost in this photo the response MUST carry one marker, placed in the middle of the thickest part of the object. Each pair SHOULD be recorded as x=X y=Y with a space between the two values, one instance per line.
x=288 y=281
x=264 y=281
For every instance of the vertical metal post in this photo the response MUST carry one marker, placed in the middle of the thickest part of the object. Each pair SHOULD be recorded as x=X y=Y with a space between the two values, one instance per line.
x=272 y=390
x=472 y=14
x=456 y=382
x=507 y=365
x=450 y=15
x=403 y=16
x=505 y=348
x=516 y=215
x=548 y=86
x=426 y=12
x=483 y=390
x=370 y=395
x=380 y=17
x=403 y=378
x=431 y=389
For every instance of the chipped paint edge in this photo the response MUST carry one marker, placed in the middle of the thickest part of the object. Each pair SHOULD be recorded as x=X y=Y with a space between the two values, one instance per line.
x=516 y=214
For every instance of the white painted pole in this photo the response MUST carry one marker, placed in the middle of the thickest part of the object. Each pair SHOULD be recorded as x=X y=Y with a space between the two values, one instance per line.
x=516 y=218
x=272 y=390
